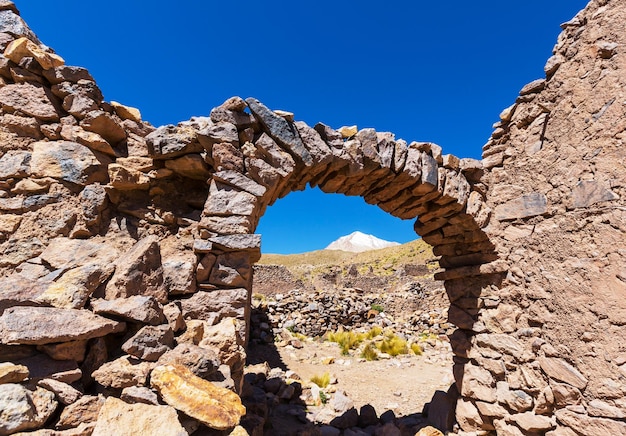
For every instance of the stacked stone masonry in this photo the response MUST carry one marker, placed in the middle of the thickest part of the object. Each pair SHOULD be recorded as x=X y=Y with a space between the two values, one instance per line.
x=126 y=251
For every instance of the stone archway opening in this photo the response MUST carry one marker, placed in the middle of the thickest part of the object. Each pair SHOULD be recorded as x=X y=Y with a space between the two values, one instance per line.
x=260 y=155
x=386 y=300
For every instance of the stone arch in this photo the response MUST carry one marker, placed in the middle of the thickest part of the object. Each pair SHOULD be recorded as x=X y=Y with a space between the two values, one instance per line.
x=262 y=155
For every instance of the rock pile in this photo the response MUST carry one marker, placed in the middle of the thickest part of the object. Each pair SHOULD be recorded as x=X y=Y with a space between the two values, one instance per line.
x=314 y=313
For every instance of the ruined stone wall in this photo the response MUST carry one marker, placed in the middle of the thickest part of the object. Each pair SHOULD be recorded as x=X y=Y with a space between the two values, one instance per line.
x=127 y=250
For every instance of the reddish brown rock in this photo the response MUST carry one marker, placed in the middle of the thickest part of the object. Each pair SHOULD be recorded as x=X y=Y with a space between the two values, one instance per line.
x=43 y=325
x=30 y=99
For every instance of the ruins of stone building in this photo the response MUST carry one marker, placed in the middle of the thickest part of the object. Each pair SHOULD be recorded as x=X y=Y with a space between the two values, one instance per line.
x=119 y=241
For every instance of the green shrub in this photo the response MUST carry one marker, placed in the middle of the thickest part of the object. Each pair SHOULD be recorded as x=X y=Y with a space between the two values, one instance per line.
x=378 y=308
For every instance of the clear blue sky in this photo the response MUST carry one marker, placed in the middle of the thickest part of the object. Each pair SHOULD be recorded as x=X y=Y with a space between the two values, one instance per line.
x=437 y=71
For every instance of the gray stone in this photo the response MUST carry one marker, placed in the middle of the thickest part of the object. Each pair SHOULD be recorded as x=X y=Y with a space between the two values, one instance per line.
x=150 y=342
x=139 y=272
x=525 y=206
x=15 y=164
x=224 y=203
x=179 y=276
x=139 y=394
x=589 y=192
x=93 y=200
x=43 y=325
x=65 y=253
x=281 y=130
x=13 y=24
x=560 y=370
x=219 y=133
x=215 y=305
x=203 y=362
x=69 y=161
x=171 y=141
x=66 y=73
x=22 y=409
x=239 y=181
x=136 y=308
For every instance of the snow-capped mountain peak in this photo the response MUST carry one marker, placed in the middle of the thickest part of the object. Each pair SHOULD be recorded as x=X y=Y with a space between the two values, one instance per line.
x=357 y=242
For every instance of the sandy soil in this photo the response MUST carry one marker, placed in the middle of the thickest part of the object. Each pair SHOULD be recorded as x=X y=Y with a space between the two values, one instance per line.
x=402 y=384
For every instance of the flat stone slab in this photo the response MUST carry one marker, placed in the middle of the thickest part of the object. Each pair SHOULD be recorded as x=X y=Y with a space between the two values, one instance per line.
x=216 y=407
x=44 y=325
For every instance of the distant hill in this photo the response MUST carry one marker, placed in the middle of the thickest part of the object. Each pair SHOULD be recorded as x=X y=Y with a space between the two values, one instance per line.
x=383 y=261
x=358 y=242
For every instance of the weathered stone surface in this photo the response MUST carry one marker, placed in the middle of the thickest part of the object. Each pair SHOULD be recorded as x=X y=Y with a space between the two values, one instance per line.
x=104 y=125
x=139 y=394
x=224 y=203
x=65 y=253
x=65 y=393
x=41 y=366
x=123 y=419
x=215 y=305
x=72 y=350
x=12 y=23
x=23 y=47
x=227 y=225
x=522 y=207
x=150 y=342
x=139 y=272
x=203 y=362
x=232 y=269
x=43 y=325
x=123 y=372
x=478 y=383
x=73 y=289
x=137 y=308
x=82 y=411
x=15 y=164
x=217 y=408
x=22 y=409
x=500 y=342
x=68 y=161
x=529 y=422
x=239 y=181
x=590 y=426
x=67 y=73
x=126 y=112
x=170 y=141
x=174 y=315
x=93 y=200
x=88 y=139
x=281 y=130
x=589 y=192
x=124 y=178
x=226 y=338
x=560 y=370
x=30 y=99
x=179 y=276
x=12 y=373
x=221 y=132
x=190 y=165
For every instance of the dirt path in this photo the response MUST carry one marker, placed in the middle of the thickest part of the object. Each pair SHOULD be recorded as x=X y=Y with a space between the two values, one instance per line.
x=402 y=384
